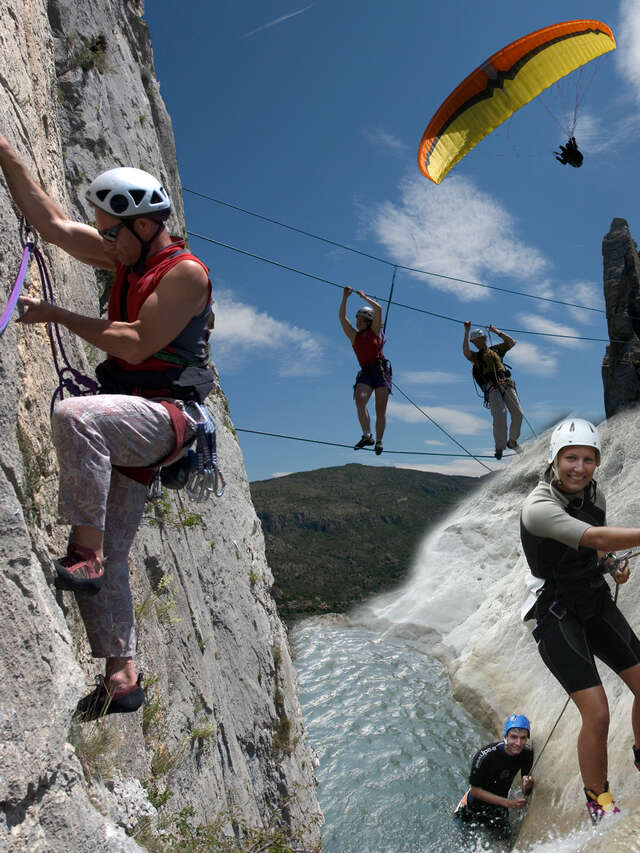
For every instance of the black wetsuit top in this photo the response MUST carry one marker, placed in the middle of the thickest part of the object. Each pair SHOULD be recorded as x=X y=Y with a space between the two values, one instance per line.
x=494 y=770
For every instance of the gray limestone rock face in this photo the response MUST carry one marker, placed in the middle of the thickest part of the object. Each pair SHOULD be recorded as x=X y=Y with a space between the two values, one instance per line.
x=621 y=363
x=222 y=732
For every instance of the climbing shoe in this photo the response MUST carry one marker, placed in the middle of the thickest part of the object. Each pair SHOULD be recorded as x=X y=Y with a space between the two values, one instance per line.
x=600 y=806
x=365 y=441
x=513 y=445
x=498 y=454
x=100 y=702
x=378 y=448
x=80 y=571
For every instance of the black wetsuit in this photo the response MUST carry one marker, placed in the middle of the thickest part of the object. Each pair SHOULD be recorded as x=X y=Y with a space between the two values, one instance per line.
x=576 y=616
x=493 y=770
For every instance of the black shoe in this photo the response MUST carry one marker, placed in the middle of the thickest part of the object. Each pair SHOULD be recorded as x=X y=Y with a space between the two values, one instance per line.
x=365 y=441
x=498 y=454
x=99 y=703
x=378 y=448
x=513 y=445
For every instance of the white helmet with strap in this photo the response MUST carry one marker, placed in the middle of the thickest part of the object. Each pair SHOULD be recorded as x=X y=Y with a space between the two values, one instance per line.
x=126 y=192
x=574 y=431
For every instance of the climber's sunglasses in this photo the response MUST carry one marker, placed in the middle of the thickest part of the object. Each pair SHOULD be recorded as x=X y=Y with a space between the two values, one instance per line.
x=111 y=234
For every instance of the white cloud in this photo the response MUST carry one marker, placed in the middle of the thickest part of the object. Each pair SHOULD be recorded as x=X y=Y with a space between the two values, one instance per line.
x=454 y=229
x=382 y=139
x=428 y=377
x=535 y=323
x=627 y=56
x=583 y=293
x=276 y=21
x=599 y=135
x=243 y=331
x=453 y=420
x=459 y=467
x=434 y=443
x=281 y=474
x=532 y=359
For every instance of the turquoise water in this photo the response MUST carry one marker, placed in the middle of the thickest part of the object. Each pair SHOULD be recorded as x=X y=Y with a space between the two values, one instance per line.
x=394 y=748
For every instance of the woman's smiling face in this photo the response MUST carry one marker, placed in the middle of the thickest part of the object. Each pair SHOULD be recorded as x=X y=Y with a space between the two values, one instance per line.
x=576 y=466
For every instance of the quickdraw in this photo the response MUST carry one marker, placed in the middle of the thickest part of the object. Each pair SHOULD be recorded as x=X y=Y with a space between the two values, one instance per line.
x=205 y=477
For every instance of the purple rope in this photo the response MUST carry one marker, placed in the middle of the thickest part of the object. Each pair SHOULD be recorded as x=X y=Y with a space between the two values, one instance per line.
x=17 y=287
x=76 y=383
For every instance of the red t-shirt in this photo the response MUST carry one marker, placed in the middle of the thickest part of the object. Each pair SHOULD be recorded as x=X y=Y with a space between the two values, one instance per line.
x=367 y=346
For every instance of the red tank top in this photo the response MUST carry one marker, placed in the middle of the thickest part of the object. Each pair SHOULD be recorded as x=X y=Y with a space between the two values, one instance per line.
x=129 y=292
x=367 y=347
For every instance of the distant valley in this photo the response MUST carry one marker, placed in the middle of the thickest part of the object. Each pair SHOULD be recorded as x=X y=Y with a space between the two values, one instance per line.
x=335 y=536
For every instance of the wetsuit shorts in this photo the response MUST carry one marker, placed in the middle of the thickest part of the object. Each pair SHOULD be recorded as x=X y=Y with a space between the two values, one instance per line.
x=567 y=646
x=377 y=374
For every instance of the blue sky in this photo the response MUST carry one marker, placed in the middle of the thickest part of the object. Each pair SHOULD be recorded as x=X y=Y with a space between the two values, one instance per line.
x=311 y=114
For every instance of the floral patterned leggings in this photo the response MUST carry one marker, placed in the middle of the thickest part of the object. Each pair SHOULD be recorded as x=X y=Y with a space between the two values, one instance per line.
x=91 y=435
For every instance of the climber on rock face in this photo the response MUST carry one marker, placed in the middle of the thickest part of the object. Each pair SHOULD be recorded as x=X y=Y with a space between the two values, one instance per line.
x=156 y=335
x=493 y=769
x=567 y=543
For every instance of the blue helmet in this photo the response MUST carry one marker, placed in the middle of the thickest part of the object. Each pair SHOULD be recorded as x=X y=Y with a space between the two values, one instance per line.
x=517 y=721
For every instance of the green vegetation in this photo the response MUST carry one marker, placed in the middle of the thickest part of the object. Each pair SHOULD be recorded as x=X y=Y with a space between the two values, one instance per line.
x=95 y=745
x=92 y=55
x=338 y=535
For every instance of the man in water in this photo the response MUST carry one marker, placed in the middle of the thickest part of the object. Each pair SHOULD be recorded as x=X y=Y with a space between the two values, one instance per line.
x=493 y=770
x=495 y=381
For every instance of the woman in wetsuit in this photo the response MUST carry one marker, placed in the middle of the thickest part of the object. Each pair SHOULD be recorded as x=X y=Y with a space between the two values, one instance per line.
x=565 y=542
x=367 y=340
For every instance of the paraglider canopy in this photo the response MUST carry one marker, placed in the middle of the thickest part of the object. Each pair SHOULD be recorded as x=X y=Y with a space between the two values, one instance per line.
x=505 y=82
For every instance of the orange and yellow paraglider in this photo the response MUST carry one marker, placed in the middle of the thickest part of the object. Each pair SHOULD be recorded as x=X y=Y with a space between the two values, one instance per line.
x=505 y=82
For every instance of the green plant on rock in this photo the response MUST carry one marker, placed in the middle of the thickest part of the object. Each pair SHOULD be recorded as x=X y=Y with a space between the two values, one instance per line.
x=180 y=834
x=165 y=759
x=95 y=745
x=92 y=55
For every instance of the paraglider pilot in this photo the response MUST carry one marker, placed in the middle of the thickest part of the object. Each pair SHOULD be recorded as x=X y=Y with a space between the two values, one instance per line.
x=570 y=154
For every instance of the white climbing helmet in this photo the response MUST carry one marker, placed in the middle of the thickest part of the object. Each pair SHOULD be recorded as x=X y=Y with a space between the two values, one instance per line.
x=574 y=431
x=126 y=192
x=477 y=334
x=366 y=312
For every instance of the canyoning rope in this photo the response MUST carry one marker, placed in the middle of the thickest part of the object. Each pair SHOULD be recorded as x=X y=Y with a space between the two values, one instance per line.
x=29 y=241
